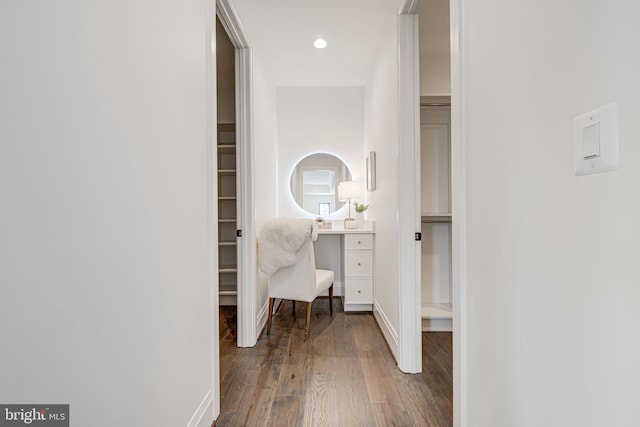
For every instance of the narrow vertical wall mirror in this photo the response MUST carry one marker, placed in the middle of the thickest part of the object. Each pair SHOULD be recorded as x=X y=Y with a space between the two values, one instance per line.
x=314 y=183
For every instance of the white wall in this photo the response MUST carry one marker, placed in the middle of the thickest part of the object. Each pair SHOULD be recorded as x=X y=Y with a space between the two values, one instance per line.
x=435 y=69
x=382 y=137
x=265 y=159
x=104 y=261
x=226 y=76
x=435 y=75
x=553 y=284
x=318 y=119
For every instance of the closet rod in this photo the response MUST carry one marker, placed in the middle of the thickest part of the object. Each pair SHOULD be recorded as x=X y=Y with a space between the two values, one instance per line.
x=435 y=104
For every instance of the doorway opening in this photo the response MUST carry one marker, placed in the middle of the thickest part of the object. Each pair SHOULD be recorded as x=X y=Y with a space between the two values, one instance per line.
x=436 y=216
x=432 y=287
x=234 y=287
x=237 y=247
x=227 y=171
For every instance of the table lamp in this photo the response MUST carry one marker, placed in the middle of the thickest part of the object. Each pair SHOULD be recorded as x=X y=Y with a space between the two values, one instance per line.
x=348 y=190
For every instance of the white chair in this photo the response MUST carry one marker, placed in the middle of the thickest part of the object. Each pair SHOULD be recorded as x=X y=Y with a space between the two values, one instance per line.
x=300 y=282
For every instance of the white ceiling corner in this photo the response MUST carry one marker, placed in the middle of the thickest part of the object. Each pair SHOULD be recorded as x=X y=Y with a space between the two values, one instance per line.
x=281 y=34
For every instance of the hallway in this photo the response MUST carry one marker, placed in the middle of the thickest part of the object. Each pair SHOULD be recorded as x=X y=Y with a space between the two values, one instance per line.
x=343 y=376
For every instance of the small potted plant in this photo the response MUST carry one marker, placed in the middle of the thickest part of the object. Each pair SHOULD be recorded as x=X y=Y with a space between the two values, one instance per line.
x=360 y=209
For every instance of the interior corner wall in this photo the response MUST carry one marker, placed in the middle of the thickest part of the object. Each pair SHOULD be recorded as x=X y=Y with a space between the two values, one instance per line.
x=104 y=238
x=318 y=119
x=553 y=283
x=382 y=137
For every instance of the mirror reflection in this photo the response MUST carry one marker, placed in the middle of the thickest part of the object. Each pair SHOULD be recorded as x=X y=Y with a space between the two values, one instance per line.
x=314 y=183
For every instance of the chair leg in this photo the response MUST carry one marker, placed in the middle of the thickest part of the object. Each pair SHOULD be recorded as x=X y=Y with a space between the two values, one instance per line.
x=331 y=300
x=306 y=328
x=269 y=316
x=293 y=312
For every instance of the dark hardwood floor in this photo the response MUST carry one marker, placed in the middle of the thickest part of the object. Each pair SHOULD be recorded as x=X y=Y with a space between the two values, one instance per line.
x=344 y=375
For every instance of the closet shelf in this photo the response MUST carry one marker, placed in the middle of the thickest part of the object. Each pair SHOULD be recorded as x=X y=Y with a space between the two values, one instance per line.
x=435 y=218
x=437 y=311
x=227 y=269
x=227 y=214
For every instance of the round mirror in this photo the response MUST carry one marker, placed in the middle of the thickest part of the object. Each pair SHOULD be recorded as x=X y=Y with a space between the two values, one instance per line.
x=314 y=183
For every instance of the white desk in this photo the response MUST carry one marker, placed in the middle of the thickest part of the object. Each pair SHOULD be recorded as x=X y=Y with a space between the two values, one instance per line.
x=350 y=254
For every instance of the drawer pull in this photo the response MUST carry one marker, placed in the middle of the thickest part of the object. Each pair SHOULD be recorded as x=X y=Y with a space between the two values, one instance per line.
x=359 y=291
x=359 y=242
x=359 y=264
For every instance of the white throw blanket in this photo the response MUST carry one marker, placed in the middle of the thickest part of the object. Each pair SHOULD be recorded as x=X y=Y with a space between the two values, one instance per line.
x=279 y=239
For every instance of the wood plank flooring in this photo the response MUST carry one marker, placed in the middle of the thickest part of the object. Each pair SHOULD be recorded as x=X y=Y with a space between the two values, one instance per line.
x=344 y=375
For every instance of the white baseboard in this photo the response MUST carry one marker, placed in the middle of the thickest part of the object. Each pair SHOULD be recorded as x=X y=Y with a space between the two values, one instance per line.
x=261 y=319
x=389 y=333
x=203 y=417
x=357 y=307
x=338 y=289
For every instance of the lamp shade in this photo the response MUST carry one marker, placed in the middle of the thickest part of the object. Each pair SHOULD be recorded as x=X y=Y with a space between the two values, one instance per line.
x=348 y=190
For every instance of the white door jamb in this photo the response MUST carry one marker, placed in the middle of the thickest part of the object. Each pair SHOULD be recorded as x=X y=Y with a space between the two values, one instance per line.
x=459 y=212
x=409 y=90
x=409 y=264
x=246 y=300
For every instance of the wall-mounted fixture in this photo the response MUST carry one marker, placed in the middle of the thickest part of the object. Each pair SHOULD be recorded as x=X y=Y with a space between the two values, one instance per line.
x=348 y=190
x=595 y=141
x=314 y=182
x=371 y=171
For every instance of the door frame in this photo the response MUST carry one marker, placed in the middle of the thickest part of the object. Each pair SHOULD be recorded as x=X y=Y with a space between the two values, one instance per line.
x=246 y=299
x=409 y=119
x=246 y=261
x=459 y=213
x=409 y=264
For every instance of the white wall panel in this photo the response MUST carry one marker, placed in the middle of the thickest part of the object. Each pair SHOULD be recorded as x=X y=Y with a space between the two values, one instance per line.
x=319 y=119
x=382 y=137
x=104 y=261
x=266 y=158
x=553 y=282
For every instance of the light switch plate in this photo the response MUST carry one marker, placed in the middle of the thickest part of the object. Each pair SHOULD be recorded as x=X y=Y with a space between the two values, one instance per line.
x=596 y=133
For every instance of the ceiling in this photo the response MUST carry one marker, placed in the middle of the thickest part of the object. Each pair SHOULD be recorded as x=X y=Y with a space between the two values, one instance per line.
x=281 y=34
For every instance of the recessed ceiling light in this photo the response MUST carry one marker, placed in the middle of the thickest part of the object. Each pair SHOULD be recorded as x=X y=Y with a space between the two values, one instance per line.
x=320 y=43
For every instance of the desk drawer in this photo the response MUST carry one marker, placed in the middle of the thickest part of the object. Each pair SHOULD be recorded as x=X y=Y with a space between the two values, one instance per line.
x=358 y=241
x=358 y=291
x=358 y=263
